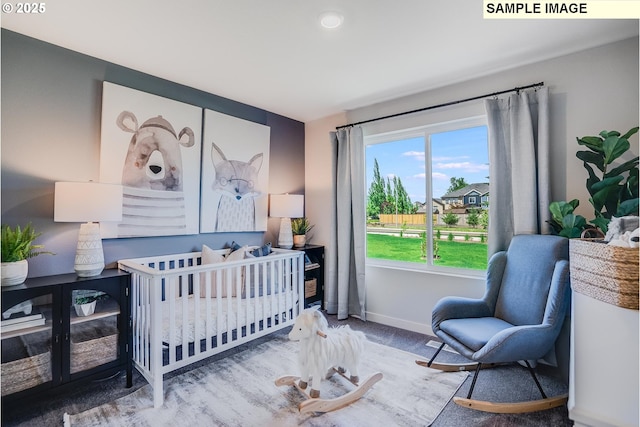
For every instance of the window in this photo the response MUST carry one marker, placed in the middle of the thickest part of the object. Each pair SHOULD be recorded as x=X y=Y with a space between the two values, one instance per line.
x=419 y=212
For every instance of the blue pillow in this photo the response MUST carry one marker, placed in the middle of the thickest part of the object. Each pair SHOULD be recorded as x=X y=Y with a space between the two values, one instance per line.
x=234 y=246
x=262 y=251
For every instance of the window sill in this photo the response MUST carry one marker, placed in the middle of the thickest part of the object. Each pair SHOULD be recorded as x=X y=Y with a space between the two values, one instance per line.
x=416 y=268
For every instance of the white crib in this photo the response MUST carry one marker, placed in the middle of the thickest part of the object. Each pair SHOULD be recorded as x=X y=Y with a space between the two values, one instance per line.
x=183 y=311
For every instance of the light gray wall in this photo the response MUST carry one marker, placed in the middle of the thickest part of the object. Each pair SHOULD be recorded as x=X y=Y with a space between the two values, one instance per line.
x=51 y=109
x=590 y=91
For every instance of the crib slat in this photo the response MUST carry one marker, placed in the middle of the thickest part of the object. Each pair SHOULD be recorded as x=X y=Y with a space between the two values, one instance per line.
x=198 y=314
x=170 y=290
x=184 y=299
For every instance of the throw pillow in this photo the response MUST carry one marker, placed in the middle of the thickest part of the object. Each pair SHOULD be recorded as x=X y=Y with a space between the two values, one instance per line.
x=262 y=251
x=210 y=256
x=237 y=254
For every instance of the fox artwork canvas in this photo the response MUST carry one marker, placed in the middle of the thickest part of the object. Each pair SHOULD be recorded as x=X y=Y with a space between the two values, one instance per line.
x=235 y=171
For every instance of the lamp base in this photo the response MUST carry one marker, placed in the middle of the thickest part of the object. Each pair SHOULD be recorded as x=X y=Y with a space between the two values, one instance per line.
x=89 y=254
x=285 y=238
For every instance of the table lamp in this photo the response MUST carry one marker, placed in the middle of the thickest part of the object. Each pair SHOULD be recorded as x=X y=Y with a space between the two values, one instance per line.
x=286 y=206
x=88 y=202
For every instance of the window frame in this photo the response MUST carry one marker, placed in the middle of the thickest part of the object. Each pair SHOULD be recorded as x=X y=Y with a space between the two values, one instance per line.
x=424 y=131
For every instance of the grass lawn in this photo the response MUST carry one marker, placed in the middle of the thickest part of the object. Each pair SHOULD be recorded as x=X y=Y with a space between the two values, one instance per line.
x=452 y=254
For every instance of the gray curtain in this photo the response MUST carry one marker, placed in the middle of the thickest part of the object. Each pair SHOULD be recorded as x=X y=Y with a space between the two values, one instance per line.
x=519 y=166
x=344 y=284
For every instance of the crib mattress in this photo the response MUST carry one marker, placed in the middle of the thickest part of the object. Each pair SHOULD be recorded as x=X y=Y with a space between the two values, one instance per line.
x=224 y=315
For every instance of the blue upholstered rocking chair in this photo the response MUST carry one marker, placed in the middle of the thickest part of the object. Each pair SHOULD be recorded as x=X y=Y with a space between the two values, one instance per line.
x=518 y=319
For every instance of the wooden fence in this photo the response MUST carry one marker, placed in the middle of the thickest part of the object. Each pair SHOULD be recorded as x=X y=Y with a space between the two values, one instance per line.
x=409 y=219
x=417 y=219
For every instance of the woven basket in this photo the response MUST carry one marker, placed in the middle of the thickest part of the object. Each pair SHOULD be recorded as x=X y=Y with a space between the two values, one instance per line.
x=89 y=354
x=604 y=272
x=25 y=373
x=310 y=288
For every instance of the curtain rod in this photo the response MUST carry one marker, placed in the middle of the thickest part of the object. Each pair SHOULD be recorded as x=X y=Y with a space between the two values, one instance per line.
x=446 y=104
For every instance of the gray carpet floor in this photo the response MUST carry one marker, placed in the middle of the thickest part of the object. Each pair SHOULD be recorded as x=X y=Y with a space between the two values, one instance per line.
x=509 y=383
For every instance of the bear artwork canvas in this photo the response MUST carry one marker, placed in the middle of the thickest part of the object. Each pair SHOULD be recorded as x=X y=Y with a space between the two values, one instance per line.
x=152 y=146
x=235 y=173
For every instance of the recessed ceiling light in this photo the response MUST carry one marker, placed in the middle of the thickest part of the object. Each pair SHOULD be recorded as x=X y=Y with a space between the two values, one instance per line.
x=331 y=20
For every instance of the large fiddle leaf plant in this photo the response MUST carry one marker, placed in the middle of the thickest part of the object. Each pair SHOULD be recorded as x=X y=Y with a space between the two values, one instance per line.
x=613 y=187
x=612 y=184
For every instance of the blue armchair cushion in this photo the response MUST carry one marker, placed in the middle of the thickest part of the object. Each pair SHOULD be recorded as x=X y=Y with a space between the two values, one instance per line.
x=474 y=333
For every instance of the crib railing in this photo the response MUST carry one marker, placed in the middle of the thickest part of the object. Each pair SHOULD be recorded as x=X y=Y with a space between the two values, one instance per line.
x=183 y=311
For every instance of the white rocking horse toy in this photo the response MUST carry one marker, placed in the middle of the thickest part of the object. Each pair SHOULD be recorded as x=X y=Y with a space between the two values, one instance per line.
x=324 y=352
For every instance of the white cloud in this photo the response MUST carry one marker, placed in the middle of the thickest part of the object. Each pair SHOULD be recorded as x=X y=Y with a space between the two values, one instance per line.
x=439 y=175
x=469 y=167
x=418 y=155
x=448 y=159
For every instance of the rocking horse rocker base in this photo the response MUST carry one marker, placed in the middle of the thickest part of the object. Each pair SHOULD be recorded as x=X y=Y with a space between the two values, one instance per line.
x=315 y=404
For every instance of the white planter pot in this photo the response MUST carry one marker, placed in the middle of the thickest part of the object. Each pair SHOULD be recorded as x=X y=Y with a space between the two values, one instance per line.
x=299 y=240
x=85 y=309
x=14 y=273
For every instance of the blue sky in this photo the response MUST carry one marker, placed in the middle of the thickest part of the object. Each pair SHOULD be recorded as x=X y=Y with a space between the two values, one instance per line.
x=459 y=153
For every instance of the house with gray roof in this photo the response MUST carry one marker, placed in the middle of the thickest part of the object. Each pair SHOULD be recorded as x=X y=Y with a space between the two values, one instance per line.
x=471 y=196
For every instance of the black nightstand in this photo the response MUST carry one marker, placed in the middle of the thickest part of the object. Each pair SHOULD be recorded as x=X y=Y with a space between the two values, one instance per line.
x=313 y=275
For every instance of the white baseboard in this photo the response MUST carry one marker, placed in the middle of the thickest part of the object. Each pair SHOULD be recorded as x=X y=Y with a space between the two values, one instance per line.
x=400 y=323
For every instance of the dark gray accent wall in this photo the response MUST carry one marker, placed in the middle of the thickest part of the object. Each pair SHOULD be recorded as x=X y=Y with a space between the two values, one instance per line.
x=51 y=101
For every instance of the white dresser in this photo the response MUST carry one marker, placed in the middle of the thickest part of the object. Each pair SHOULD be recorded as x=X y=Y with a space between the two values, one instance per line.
x=604 y=367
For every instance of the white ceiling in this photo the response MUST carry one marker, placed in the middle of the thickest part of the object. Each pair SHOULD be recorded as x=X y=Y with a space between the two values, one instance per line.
x=273 y=54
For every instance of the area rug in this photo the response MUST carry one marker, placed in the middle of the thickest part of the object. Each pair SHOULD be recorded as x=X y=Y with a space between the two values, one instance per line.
x=239 y=390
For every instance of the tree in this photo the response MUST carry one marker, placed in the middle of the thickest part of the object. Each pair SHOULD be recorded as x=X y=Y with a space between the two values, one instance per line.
x=484 y=216
x=473 y=219
x=404 y=202
x=388 y=197
x=450 y=219
x=377 y=195
x=456 y=184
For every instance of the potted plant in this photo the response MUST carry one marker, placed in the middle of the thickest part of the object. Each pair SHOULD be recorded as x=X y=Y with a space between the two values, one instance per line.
x=601 y=271
x=300 y=227
x=17 y=246
x=613 y=189
x=85 y=304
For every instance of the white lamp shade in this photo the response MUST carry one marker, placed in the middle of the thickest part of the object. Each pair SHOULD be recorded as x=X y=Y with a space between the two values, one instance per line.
x=287 y=205
x=87 y=202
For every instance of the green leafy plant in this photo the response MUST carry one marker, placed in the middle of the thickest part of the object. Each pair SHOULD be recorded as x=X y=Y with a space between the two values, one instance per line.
x=300 y=226
x=17 y=243
x=613 y=188
x=564 y=222
x=614 y=191
x=87 y=299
